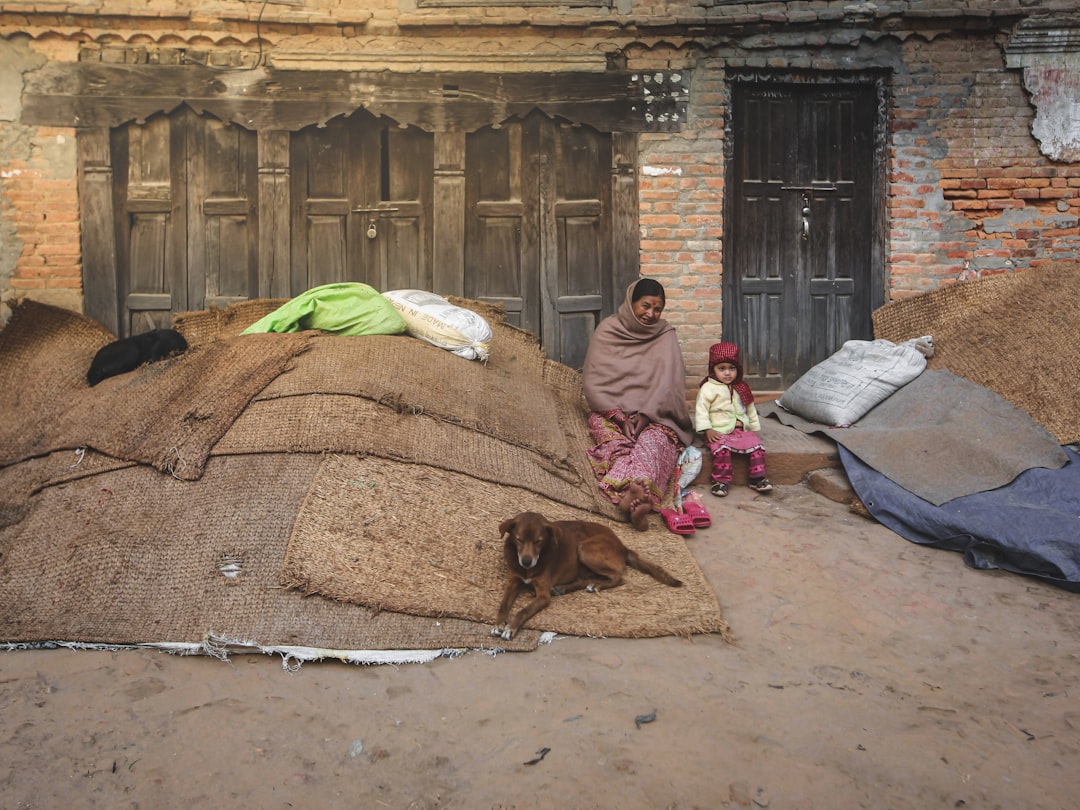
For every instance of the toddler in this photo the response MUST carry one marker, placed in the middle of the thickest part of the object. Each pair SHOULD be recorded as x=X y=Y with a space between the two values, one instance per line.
x=726 y=416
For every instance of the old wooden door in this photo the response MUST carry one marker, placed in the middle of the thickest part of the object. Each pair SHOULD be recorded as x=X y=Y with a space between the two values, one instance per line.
x=546 y=225
x=802 y=266
x=540 y=235
x=361 y=196
x=186 y=226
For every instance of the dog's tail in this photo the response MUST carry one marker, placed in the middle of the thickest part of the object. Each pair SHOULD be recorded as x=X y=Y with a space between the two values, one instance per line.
x=635 y=560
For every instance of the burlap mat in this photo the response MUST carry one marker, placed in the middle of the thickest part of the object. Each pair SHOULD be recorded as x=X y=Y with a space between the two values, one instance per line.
x=20 y=482
x=1014 y=334
x=204 y=325
x=366 y=533
x=519 y=418
x=345 y=424
x=166 y=414
x=507 y=400
x=98 y=547
x=134 y=556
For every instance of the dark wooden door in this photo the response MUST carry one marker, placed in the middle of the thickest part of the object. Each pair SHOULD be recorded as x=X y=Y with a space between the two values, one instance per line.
x=801 y=268
x=186 y=226
x=361 y=196
x=540 y=235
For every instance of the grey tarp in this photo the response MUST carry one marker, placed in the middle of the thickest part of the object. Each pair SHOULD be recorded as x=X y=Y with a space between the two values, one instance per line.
x=943 y=437
x=1031 y=526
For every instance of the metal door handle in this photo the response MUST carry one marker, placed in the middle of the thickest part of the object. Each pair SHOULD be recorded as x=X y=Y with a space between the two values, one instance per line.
x=805 y=223
x=362 y=210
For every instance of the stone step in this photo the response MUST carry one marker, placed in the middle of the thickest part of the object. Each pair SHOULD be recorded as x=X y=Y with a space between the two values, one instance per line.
x=790 y=454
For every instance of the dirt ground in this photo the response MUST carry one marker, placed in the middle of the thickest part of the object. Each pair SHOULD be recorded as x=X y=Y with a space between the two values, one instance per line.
x=868 y=673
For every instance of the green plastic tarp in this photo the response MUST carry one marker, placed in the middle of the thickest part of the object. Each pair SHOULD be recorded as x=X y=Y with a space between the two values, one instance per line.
x=346 y=308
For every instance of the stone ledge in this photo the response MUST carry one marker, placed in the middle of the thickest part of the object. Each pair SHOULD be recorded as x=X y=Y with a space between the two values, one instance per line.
x=790 y=456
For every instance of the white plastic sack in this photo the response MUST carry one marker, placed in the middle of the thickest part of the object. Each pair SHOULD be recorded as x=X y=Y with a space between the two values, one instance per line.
x=841 y=389
x=432 y=318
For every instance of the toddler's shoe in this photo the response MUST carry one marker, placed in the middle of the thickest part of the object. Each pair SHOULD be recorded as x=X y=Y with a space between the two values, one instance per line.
x=719 y=490
x=760 y=485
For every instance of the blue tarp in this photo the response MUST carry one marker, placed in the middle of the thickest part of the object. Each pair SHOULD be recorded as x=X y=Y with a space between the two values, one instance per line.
x=1030 y=526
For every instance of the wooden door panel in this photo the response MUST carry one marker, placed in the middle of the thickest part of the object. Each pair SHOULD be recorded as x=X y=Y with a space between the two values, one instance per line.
x=404 y=162
x=152 y=225
x=405 y=265
x=493 y=237
x=497 y=257
x=320 y=178
x=222 y=265
x=582 y=208
x=539 y=233
x=148 y=301
x=325 y=256
x=186 y=224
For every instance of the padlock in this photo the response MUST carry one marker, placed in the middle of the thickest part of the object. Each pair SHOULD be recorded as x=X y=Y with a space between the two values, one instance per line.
x=371 y=232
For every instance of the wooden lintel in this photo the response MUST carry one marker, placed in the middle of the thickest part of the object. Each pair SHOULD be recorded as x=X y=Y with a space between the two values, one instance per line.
x=91 y=94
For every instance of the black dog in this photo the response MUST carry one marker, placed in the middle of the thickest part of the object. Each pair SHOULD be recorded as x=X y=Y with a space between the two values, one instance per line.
x=127 y=354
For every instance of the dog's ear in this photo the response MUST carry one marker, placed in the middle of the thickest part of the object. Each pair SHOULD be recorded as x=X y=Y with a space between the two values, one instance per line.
x=547 y=532
x=507 y=526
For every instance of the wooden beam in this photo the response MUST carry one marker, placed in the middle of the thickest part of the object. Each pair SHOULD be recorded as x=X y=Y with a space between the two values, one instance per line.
x=93 y=94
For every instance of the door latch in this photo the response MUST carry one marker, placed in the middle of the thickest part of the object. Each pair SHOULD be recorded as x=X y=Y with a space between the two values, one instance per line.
x=804 y=231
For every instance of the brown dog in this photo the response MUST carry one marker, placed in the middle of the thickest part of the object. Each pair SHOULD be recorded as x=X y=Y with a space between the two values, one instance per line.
x=560 y=556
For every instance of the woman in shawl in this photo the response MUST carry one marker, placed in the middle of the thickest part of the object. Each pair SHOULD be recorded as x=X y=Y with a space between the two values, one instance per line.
x=634 y=381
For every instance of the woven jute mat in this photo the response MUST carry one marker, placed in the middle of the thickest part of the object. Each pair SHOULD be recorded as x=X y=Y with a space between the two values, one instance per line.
x=204 y=325
x=346 y=424
x=517 y=419
x=411 y=539
x=134 y=556
x=166 y=414
x=1014 y=334
x=20 y=482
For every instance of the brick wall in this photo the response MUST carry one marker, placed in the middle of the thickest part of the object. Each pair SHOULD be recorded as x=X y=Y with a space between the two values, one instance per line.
x=41 y=202
x=681 y=193
x=969 y=191
x=39 y=214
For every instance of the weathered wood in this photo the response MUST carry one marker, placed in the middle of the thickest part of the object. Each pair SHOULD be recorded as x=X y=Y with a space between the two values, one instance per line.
x=625 y=235
x=273 y=214
x=496 y=237
x=94 y=94
x=100 y=297
x=151 y=267
x=222 y=187
x=448 y=214
x=362 y=198
x=209 y=213
x=583 y=238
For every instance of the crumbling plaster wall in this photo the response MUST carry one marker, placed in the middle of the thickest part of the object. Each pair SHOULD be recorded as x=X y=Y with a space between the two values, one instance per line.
x=1055 y=94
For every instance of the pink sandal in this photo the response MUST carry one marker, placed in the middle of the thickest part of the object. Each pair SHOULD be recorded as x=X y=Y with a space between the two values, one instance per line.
x=677 y=522
x=698 y=514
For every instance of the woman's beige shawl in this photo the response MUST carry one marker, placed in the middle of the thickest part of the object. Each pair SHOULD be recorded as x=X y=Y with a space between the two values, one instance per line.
x=638 y=369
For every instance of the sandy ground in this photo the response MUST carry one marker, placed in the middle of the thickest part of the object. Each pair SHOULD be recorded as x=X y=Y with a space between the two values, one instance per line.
x=868 y=673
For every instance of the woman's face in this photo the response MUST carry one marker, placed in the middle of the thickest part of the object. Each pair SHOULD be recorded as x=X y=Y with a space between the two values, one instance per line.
x=648 y=309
